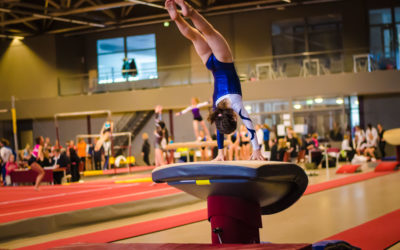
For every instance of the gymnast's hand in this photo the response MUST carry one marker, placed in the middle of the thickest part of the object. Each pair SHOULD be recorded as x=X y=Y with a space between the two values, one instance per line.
x=256 y=155
x=220 y=156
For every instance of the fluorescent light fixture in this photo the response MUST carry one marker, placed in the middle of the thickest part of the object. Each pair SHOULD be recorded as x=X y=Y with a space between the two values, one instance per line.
x=339 y=101
x=319 y=100
x=11 y=37
x=310 y=102
x=287 y=1
x=297 y=106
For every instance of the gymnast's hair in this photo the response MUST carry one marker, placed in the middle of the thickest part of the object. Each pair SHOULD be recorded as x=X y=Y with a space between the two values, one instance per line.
x=224 y=118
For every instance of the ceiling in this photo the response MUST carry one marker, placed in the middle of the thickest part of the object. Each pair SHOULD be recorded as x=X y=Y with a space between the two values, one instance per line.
x=21 y=18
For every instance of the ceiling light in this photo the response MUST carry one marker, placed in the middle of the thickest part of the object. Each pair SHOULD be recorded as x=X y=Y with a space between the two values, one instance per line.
x=166 y=24
x=318 y=100
x=339 y=101
x=309 y=102
x=297 y=106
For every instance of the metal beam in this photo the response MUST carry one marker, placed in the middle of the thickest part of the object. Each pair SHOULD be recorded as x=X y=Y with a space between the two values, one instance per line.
x=105 y=11
x=94 y=8
x=53 y=16
x=147 y=3
x=25 y=23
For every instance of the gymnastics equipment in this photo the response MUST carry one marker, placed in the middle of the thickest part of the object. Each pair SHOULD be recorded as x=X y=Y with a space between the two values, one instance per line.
x=14 y=124
x=237 y=193
x=194 y=144
x=128 y=160
x=391 y=136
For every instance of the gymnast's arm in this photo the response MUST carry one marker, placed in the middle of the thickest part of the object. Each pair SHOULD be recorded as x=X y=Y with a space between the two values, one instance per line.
x=185 y=110
x=220 y=142
x=203 y=104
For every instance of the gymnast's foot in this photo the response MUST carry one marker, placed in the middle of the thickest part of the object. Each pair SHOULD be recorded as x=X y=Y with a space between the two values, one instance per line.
x=187 y=10
x=171 y=8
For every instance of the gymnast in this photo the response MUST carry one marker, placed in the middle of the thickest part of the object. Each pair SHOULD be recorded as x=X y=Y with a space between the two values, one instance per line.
x=195 y=108
x=105 y=134
x=36 y=159
x=215 y=53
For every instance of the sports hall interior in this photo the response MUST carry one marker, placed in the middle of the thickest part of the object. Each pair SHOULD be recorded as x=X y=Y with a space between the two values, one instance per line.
x=311 y=65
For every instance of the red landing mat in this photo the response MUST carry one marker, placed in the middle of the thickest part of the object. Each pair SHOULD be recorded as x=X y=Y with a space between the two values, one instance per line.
x=386 y=166
x=24 y=202
x=152 y=226
x=379 y=233
x=348 y=169
x=172 y=246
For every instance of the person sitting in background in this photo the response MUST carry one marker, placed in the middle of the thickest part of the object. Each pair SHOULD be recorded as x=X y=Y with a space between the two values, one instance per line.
x=381 y=140
x=60 y=160
x=47 y=145
x=347 y=151
x=371 y=142
x=359 y=139
x=11 y=165
x=315 y=139
x=146 y=149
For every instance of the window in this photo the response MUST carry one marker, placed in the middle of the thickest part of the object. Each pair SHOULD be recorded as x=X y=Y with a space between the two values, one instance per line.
x=125 y=59
x=319 y=33
x=384 y=36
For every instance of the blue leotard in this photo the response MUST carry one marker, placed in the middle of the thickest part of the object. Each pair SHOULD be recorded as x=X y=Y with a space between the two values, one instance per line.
x=227 y=86
x=226 y=80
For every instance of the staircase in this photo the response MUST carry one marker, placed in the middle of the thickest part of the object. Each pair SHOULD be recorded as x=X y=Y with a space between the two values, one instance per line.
x=130 y=123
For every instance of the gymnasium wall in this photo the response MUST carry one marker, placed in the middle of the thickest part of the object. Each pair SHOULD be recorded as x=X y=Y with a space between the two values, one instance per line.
x=30 y=68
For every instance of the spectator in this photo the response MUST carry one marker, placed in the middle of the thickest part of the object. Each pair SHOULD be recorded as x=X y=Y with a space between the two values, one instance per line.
x=74 y=160
x=60 y=160
x=293 y=141
x=47 y=145
x=146 y=149
x=347 y=151
x=359 y=139
x=97 y=155
x=260 y=136
x=107 y=153
x=81 y=148
x=11 y=165
x=371 y=142
x=315 y=139
x=266 y=136
x=244 y=142
x=26 y=154
x=274 y=150
x=381 y=140
x=5 y=153
x=233 y=148
x=282 y=149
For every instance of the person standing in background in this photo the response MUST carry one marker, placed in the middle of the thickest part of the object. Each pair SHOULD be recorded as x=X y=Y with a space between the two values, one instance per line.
x=81 y=148
x=146 y=149
x=381 y=141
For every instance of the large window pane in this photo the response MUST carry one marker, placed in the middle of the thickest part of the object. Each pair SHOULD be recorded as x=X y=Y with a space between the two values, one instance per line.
x=112 y=45
x=146 y=63
x=325 y=33
x=380 y=16
x=397 y=14
x=110 y=67
x=288 y=37
x=141 y=42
